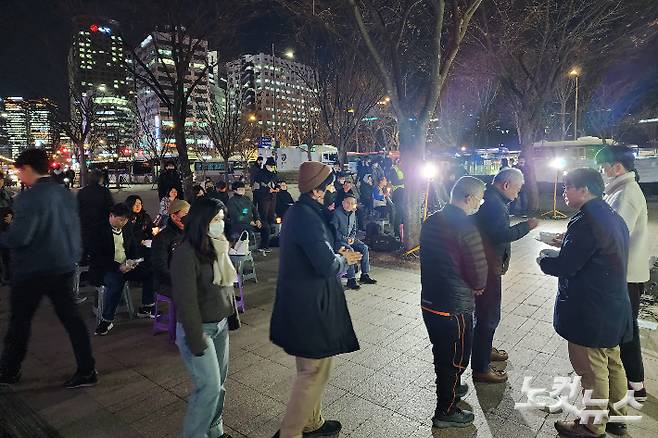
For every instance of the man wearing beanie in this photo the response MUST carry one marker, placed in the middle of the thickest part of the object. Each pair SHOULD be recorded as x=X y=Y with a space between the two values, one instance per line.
x=164 y=244
x=309 y=273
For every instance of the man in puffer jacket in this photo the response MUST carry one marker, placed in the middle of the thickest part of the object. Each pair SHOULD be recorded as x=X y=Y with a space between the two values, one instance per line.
x=453 y=269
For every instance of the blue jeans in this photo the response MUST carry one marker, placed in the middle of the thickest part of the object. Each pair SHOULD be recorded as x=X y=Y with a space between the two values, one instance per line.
x=361 y=247
x=114 y=281
x=208 y=372
x=487 y=317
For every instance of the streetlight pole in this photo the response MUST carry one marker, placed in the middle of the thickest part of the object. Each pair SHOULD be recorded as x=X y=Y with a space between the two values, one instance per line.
x=274 y=94
x=575 y=72
x=575 y=114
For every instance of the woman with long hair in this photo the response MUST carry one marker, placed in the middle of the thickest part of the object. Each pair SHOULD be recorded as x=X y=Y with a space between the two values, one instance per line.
x=202 y=278
x=165 y=202
x=142 y=224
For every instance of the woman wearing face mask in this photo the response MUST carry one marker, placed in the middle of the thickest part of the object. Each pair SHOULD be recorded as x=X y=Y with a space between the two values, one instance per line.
x=202 y=278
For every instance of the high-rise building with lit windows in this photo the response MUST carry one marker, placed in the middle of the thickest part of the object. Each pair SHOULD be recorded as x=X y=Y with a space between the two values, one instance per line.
x=99 y=69
x=155 y=51
x=276 y=90
x=16 y=121
x=43 y=127
x=24 y=124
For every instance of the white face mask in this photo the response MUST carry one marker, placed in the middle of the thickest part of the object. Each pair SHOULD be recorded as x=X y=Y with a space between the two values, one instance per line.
x=216 y=229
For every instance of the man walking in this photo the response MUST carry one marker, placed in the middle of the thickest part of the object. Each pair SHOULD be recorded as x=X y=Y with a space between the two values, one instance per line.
x=623 y=194
x=44 y=239
x=493 y=221
x=453 y=269
x=310 y=319
x=592 y=308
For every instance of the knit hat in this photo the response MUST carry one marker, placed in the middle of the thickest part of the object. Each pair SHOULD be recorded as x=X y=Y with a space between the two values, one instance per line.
x=178 y=205
x=312 y=174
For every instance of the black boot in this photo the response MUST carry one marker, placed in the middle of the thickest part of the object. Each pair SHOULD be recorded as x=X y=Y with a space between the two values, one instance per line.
x=365 y=279
x=352 y=284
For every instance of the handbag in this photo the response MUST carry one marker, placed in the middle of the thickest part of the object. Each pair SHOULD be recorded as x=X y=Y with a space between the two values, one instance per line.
x=241 y=247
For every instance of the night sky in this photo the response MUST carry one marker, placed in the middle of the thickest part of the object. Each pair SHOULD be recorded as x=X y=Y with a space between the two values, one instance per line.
x=35 y=36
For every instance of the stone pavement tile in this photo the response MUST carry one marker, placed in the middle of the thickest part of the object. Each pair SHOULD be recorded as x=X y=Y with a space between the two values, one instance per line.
x=349 y=374
x=99 y=424
x=241 y=359
x=419 y=406
x=119 y=386
x=75 y=408
x=246 y=409
x=380 y=389
x=136 y=408
x=168 y=418
x=352 y=411
x=374 y=357
x=407 y=368
x=267 y=377
x=386 y=423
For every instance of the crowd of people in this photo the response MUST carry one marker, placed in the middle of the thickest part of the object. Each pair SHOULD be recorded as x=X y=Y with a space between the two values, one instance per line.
x=465 y=249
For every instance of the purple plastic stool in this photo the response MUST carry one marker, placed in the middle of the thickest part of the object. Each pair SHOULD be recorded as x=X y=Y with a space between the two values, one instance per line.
x=165 y=322
x=240 y=302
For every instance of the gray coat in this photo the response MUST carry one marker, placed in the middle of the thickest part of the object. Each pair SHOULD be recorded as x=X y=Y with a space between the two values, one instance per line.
x=345 y=225
x=44 y=236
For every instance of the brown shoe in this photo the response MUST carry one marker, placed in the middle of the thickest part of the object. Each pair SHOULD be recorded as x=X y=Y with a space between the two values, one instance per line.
x=498 y=355
x=491 y=376
x=575 y=429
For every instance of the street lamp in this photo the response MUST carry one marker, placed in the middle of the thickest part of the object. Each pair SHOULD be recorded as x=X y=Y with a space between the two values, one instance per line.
x=429 y=171
x=290 y=54
x=575 y=73
x=558 y=163
x=252 y=118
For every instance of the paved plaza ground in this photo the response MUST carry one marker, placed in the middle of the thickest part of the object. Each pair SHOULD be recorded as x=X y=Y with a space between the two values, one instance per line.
x=384 y=390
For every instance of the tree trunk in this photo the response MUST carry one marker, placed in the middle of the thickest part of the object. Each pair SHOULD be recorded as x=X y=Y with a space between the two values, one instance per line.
x=563 y=120
x=117 y=174
x=526 y=137
x=183 y=160
x=226 y=169
x=411 y=157
x=82 y=160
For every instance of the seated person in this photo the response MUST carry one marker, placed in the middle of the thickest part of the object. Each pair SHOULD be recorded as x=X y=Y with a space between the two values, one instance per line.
x=344 y=221
x=345 y=188
x=242 y=213
x=283 y=200
x=165 y=242
x=366 y=189
x=380 y=201
x=112 y=252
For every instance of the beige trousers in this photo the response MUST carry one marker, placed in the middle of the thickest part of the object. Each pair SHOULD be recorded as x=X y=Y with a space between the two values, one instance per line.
x=305 y=405
x=601 y=371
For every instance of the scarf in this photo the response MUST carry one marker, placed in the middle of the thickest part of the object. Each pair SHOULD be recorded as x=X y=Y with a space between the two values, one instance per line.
x=223 y=271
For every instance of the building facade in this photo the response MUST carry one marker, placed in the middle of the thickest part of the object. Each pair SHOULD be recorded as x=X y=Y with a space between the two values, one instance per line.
x=99 y=70
x=155 y=51
x=276 y=90
x=26 y=123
